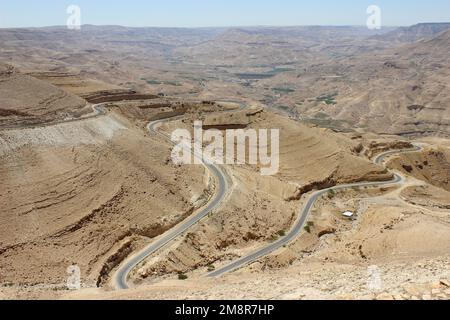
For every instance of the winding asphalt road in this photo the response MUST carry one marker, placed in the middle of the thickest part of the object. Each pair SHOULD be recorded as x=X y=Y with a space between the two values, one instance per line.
x=305 y=212
x=122 y=274
x=382 y=156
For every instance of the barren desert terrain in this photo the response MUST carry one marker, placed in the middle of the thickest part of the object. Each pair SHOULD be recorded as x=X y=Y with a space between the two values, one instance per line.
x=87 y=178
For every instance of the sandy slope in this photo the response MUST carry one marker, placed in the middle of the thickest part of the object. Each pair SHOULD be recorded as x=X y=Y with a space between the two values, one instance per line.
x=78 y=193
x=260 y=207
x=28 y=100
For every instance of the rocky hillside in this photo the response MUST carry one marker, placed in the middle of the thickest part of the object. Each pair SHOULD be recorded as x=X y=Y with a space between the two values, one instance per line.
x=27 y=100
x=403 y=90
x=415 y=32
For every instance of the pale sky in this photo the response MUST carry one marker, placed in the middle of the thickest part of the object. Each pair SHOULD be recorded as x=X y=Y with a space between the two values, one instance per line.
x=204 y=13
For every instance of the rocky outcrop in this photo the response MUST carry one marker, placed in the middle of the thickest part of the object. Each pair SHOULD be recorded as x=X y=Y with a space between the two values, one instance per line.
x=430 y=165
x=113 y=261
x=27 y=100
x=117 y=95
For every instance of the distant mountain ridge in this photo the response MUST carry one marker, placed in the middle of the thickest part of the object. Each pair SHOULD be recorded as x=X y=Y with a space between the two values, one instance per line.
x=414 y=33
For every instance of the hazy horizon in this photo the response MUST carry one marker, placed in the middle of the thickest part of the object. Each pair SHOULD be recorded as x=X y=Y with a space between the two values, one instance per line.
x=227 y=27
x=214 y=14
x=217 y=27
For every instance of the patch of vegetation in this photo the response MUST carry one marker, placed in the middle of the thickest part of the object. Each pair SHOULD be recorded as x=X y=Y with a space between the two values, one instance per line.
x=310 y=224
x=321 y=115
x=283 y=90
x=328 y=99
x=182 y=276
x=263 y=75
x=281 y=70
x=173 y=83
x=193 y=78
x=211 y=268
x=157 y=82
x=285 y=108
x=254 y=76
x=331 y=194
x=274 y=238
x=308 y=229
x=281 y=233
x=153 y=82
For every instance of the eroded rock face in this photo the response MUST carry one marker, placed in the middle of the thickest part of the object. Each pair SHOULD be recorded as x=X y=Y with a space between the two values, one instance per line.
x=73 y=193
x=27 y=100
x=376 y=147
x=427 y=196
x=329 y=230
x=405 y=92
x=117 y=95
x=235 y=120
x=430 y=165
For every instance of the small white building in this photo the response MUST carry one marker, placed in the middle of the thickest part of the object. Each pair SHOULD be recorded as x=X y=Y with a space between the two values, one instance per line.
x=348 y=214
